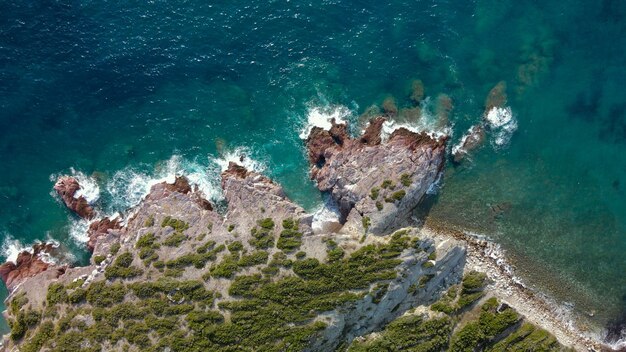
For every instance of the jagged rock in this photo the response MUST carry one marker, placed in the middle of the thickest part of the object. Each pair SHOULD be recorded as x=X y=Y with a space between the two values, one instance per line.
x=355 y=170
x=27 y=265
x=180 y=185
x=252 y=196
x=101 y=228
x=66 y=187
x=471 y=140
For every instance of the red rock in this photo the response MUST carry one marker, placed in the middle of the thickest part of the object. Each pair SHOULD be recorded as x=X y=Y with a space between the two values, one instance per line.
x=66 y=187
x=101 y=228
x=371 y=136
x=27 y=265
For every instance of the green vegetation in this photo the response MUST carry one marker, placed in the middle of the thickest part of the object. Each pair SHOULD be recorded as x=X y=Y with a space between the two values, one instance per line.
x=290 y=239
x=254 y=258
x=230 y=228
x=459 y=297
x=235 y=247
x=396 y=196
x=379 y=206
x=17 y=303
x=122 y=268
x=374 y=192
x=177 y=225
x=175 y=239
x=405 y=179
x=56 y=294
x=388 y=184
x=490 y=324
x=149 y=221
x=226 y=268
x=366 y=222
x=98 y=259
x=409 y=333
x=115 y=247
x=263 y=238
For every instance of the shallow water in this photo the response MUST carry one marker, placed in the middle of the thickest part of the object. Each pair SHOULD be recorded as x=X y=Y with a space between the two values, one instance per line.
x=129 y=92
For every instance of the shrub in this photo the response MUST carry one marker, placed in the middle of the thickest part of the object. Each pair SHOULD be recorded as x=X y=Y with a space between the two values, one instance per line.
x=366 y=221
x=432 y=255
x=396 y=196
x=374 y=192
x=473 y=281
x=18 y=302
x=262 y=238
x=300 y=255
x=149 y=221
x=231 y=227
x=56 y=294
x=235 y=246
x=226 y=268
x=405 y=179
x=77 y=296
x=387 y=184
x=99 y=294
x=205 y=247
x=115 y=247
x=175 y=239
x=379 y=206
x=254 y=258
x=98 y=259
x=124 y=260
x=147 y=241
x=289 y=239
x=177 y=225
x=44 y=334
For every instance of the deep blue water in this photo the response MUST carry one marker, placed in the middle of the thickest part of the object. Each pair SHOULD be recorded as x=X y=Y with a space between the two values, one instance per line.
x=126 y=91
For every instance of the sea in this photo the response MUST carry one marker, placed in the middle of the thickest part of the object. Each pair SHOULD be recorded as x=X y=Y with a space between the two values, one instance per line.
x=122 y=94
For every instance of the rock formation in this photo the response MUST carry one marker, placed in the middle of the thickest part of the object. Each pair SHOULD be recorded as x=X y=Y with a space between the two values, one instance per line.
x=375 y=183
x=27 y=265
x=66 y=187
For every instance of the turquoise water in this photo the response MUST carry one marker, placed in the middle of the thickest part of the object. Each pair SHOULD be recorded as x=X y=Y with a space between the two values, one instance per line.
x=125 y=92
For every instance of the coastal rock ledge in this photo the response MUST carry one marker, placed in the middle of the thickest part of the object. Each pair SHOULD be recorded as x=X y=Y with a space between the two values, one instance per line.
x=177 y=273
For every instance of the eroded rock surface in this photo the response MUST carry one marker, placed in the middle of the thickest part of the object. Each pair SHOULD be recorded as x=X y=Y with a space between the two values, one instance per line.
x=375 y=184
x=27 y=265
x=66 y=187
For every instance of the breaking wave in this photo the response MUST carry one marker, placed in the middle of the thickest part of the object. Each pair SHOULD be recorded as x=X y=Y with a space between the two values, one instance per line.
x=322 y=117
x=503 y=124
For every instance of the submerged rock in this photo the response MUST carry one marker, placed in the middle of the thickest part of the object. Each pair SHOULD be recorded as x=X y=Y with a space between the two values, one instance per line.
x=471 y=140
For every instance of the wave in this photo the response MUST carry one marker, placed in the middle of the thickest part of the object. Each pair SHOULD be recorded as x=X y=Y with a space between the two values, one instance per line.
x=503 y=124
x=322 y=117
x=241 y=156
x=428 y=122
x=89 y=188
x=11 y=248
x=325 y=216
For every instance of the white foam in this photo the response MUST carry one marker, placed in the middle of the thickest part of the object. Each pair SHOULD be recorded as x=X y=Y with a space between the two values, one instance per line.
x=428 y=123
x=503 y=124
x=240 y=156
x=89 y=188
x=78 y=230
x=322 y=117
x=11 y=248
x=327 y=213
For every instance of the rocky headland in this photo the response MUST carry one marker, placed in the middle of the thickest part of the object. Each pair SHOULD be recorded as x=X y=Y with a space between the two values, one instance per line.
x=176 y=274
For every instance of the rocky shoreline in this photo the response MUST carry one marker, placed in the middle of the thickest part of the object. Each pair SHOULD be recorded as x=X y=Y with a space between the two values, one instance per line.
x=218 y=271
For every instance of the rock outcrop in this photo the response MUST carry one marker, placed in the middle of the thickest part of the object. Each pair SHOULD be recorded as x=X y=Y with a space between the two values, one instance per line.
x=27 y=265
x=375 y=184
x=66 y=187
x=101 y=228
